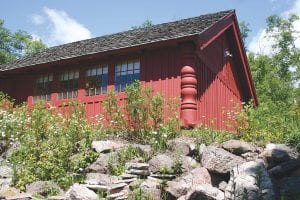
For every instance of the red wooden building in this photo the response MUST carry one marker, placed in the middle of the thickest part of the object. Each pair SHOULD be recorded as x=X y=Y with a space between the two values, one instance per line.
x=200 y=59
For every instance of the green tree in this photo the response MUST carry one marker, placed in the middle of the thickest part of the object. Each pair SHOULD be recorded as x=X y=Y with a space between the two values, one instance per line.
x=14 y=45
x=275 y=75
x=145 y=24
x=244 y=30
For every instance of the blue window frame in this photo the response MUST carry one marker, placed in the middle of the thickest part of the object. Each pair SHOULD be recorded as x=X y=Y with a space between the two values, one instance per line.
x=96 y=80
x=126 y=73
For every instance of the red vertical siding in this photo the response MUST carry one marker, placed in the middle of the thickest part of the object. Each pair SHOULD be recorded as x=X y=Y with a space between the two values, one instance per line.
x=218 y=93
x=162 y=72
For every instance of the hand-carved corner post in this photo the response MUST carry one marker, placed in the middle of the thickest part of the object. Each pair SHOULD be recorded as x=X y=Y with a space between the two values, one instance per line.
x=188 y=114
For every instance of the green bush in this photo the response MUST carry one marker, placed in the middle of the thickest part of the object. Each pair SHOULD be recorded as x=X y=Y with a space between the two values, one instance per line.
x=52 y=146
x=141 y=118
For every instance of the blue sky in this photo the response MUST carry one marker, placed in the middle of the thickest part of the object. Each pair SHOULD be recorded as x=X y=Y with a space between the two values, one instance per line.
x=61 y=21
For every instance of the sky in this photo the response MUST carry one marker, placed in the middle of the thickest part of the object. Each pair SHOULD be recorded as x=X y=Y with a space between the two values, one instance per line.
x=62 y=21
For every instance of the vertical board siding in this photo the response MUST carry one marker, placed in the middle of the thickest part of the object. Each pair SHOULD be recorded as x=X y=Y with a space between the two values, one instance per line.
x=218 y=92
x=162 y=72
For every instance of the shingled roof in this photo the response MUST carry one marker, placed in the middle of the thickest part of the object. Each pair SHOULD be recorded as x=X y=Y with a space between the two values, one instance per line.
x=136 y=37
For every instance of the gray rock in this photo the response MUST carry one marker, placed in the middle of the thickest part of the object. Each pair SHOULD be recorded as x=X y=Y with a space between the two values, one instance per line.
x=182 y=184
x=57 y=197
x=101 y=164
x=139 y=166
x=217 y=160
x=238 y=147
x=80 y=192
x=144 y=150
x=188 y=163
x=100 y=179
x=100 y=188
x=128 y=176
x=247 y=177
x=159 y=162
x=290 y=189
x=6 y=172
x=274 y=154
x=285 y=168
x=106 y=146
x=222 y=186
x=151 y=187
x=250 y=156
x=205 y=192
x=21 y=196
x=43 y=188
x=182 y=145
x=5 y=183
x=119 y=195
x=139 y=172
x=163 y=176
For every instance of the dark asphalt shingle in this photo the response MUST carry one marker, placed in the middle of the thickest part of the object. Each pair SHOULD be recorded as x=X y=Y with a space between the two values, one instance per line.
x=155 y=33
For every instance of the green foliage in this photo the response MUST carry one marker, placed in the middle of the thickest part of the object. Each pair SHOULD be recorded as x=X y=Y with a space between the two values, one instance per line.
x=276 y=119
x=116 y=163
x=52 y=146
x=113 y=114
x=16 y=45
x=138 y=194
x=208 y=136
x=244 y=30
x=145 y=24
x=141 y=117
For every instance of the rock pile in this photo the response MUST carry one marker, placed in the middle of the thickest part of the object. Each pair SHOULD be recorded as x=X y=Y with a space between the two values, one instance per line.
x=232 y=170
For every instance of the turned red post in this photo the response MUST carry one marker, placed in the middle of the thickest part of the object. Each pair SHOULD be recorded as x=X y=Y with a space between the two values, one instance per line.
x=188 y=113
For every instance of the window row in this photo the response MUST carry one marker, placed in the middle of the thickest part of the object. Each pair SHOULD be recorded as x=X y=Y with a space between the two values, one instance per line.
x=96 y=81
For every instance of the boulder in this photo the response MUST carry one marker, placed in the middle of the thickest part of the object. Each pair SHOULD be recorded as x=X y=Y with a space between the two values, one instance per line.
x=204 y=192
x=274 y=154
x=238 y=147
x=182 y=145
x=43 y=188
x=285 y=168
x=80 y=192
x=6 y=172
x=217 y=160
x=250 y=156
x=21 y=196
x=100 y=179
x=106 y=146
x=290 y=189
x=5 y=183
x=9 y=191
x=144 y=150
x=151 y=187
x=251 y=179
x=160 y=162
x=188 y=164
x=182 y=184
x=140 y=166
x=101 y=164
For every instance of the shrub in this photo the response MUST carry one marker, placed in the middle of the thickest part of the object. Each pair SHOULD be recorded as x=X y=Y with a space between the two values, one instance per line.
x=52 y=146
x=141 y=118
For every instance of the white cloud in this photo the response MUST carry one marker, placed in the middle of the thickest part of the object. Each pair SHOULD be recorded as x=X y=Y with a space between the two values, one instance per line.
x=61 y=28
x=261 y=43
x=38 y=19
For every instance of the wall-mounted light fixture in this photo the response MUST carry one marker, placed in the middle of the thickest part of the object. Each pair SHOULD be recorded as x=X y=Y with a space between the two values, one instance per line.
x=227 y=53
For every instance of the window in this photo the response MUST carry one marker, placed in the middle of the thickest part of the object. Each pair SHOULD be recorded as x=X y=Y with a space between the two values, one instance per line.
x=68 y=84
x=96 y=81
x=126 y=73
x=42 y=88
